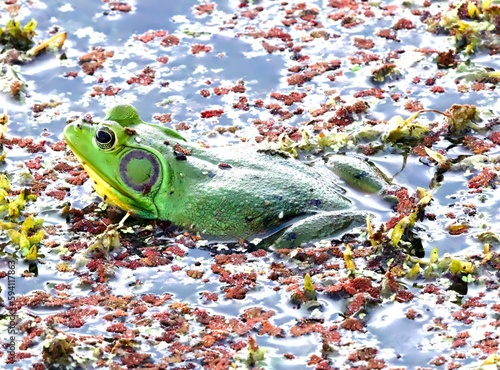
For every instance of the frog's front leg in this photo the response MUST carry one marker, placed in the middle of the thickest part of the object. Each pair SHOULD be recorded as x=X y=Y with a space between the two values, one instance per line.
x=318 y=226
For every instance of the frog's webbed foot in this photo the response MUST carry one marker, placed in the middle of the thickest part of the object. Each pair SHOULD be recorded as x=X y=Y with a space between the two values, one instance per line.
x=318 y=226
x=358 y=173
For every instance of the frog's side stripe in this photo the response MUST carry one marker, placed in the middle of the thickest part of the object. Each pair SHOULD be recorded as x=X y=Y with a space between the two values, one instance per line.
x=130 y=179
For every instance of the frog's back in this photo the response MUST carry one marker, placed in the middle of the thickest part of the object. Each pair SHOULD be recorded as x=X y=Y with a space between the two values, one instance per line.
x=240 y=192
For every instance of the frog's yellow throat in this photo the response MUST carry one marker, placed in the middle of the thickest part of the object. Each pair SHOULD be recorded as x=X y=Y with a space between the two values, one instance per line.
x=138 y=179
x=107 y=192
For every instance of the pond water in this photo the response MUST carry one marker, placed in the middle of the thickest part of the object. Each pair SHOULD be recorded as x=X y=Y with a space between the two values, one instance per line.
x=228 y=72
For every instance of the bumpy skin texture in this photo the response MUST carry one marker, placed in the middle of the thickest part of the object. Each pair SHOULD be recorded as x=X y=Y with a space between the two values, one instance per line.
x=239 y=193
x=224 y=193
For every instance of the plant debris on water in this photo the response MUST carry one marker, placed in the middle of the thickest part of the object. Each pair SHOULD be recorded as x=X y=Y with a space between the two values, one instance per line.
x=411 y=86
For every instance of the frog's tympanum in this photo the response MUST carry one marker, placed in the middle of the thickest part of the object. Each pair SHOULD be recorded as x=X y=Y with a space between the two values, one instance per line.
x=225 y=193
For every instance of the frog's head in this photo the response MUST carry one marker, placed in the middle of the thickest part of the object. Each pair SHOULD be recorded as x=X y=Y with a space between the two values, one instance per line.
x=121 y=156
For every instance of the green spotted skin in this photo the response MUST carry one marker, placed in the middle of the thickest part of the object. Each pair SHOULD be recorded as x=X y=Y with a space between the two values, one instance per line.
x=224 y=193
x=239 y=193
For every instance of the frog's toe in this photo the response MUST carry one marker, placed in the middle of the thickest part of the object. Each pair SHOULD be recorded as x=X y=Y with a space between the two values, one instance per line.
x=318 y=226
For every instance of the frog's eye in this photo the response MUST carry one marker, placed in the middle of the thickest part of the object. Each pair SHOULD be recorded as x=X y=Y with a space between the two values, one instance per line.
x=105 y=138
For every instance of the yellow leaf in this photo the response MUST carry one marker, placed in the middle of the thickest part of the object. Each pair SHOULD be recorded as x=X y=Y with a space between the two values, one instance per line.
x=56 y=41
x=3 y=196
x=28 y=224
x=349 y=262
x=485 y=4
x=15 y=236
x=7 y=225
x=13 y=210
x=369 y=229
x=492 y=360
x=438 y=157
x=4 y=183
x=32 y=254
x=411 y=118
x=412 y=218
x=472 y=10
x=434 y=255
x=467 y=267
x=17 y=205
x=4 y=119
x=37 y=237
x=308 y=285
x=457 y=267
x=424 y=195
x=398 y=230
x=24 y=243
x=401 y=130
x=413 y=273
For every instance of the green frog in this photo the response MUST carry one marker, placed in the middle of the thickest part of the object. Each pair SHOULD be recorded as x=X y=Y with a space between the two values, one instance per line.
x=224 y=193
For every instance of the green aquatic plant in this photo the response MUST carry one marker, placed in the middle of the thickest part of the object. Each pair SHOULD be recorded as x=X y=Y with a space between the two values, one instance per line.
x=401 y=131
x=409 y=221
x=309 y=291
x=435 y=267
x=110 y=238
x=19 y=47
x=306 y=296
x=256 y=355
x=386 y=71
x=460 y=117
x=349 y=262
x=58 y=349
x=469 y=71
x=15 y=36
x=471 y=24
x=27 y=237
x=24 y=236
